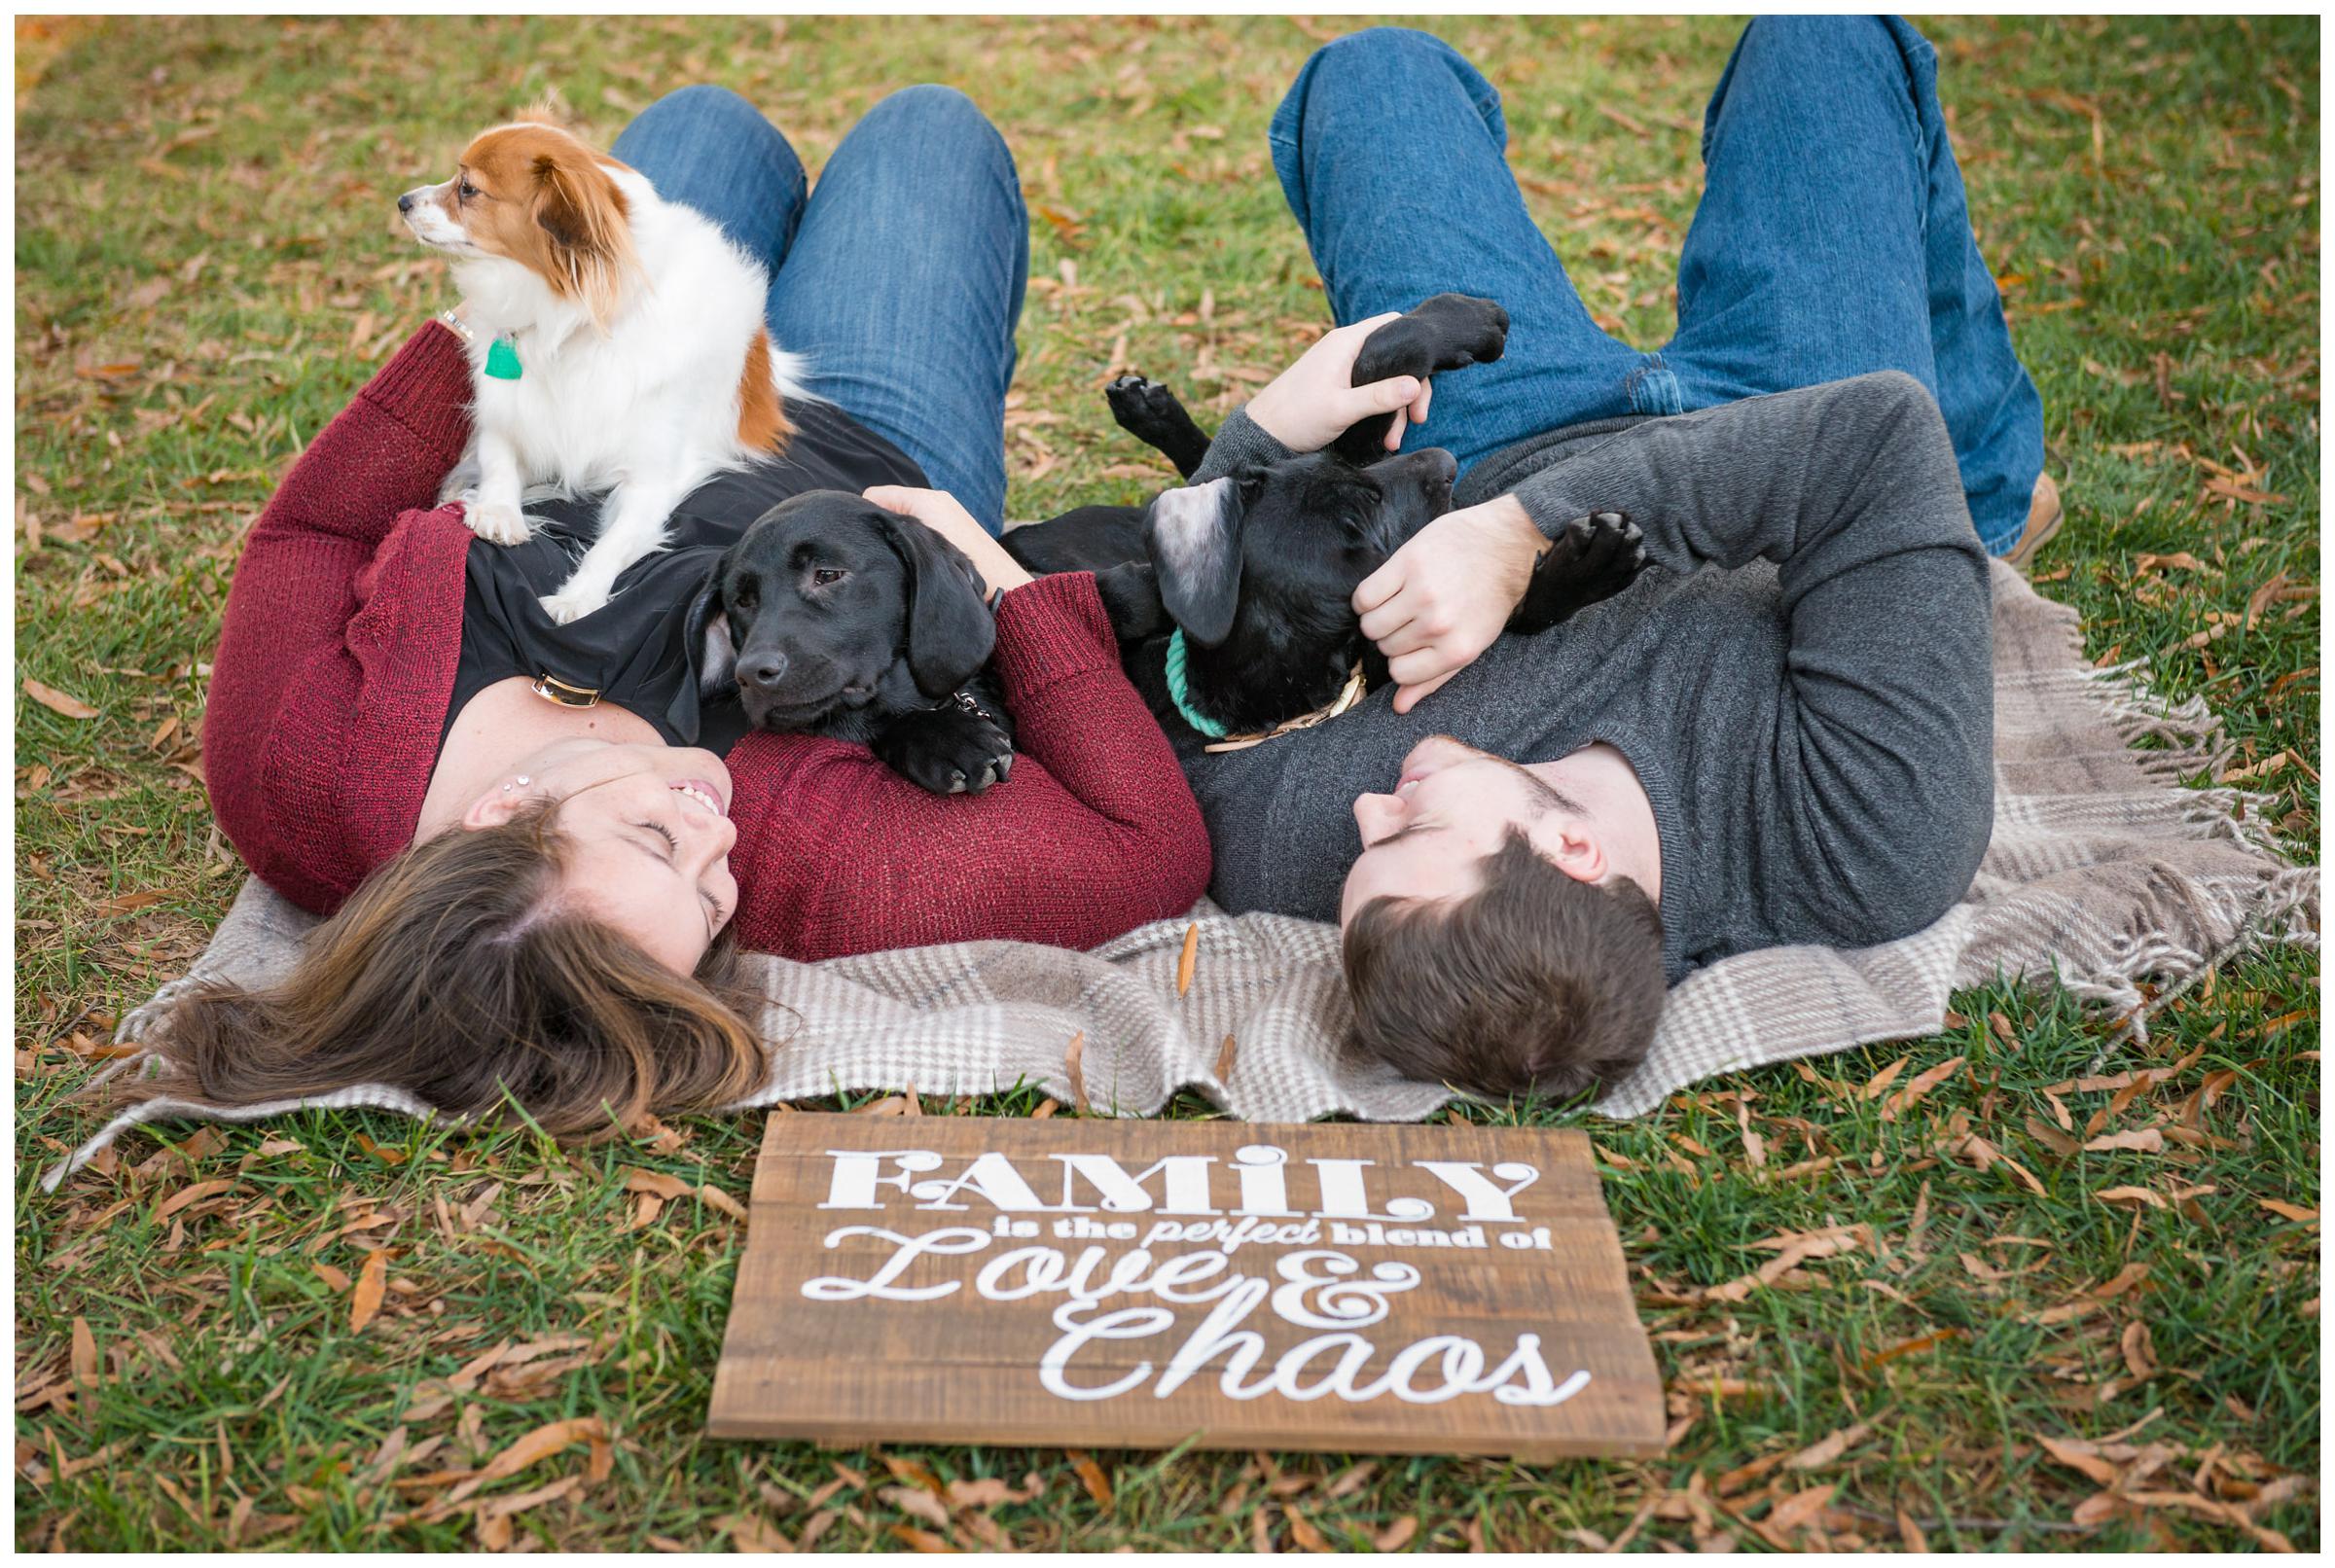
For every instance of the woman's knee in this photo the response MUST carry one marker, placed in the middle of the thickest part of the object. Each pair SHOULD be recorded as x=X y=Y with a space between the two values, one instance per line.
x=702 y=108
x=934 y=108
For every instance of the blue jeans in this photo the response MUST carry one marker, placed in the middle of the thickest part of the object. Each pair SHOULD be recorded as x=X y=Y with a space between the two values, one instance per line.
x=1833 y=239
x=899 y=278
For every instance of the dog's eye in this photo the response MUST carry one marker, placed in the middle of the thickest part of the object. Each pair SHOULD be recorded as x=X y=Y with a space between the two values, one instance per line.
x=466 y=190
x=744 y=597
x=826 y=575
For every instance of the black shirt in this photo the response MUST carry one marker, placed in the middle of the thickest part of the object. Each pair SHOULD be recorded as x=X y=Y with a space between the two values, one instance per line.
x=632 y=649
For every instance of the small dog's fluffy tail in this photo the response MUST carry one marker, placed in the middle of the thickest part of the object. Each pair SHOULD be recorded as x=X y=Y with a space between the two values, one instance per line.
x=791 y=371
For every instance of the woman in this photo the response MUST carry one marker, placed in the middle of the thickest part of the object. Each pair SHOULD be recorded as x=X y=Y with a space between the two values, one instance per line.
x=545 y=899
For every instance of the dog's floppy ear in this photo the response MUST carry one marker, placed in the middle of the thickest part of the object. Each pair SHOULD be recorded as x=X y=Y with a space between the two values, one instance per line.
x=1192 y=535
x=705 y=632
x=949 y=628
x=583 y=214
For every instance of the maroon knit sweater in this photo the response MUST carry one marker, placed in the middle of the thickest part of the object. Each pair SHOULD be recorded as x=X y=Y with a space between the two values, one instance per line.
x=338 y=659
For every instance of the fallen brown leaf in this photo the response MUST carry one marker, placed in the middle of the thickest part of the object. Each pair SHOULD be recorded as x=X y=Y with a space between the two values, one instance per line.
x=657 y=1183
x=1798 y=1509
x=1191 y=954
x=539 y=1444
x=1090 y=1475
x=2080 y=1456
x=1922 y=1083
x=2140 y=1350
x=85 y=1354
x=1074 y=1064
x=749 y=1534
x=372 y=1281
x=1825 y=1450
x=1397 y=1535
x=2124 y=1278
x=56 y=702
x=1882 y=1080
x=916 y=1501
x=189 y=1196
x=2138 y=1140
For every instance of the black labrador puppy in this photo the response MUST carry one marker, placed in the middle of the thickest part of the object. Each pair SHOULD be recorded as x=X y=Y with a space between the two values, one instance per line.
x=834 y=617
x=1257 y=570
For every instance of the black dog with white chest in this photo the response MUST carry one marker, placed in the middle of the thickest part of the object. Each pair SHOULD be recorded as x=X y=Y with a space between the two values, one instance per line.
x=1231 y=599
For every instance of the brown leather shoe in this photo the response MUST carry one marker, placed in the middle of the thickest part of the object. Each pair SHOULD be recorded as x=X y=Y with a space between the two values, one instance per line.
x=2043 y=519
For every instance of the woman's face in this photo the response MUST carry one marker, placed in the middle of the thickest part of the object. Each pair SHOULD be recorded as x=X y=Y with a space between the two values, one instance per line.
x=649 y=832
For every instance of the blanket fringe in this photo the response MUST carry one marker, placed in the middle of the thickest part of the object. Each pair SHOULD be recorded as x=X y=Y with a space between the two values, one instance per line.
x=375 y=1096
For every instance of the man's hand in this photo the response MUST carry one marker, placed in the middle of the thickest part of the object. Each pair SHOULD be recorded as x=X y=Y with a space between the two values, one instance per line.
x=1443 y=598
x=947 y=516
x=1315 y=401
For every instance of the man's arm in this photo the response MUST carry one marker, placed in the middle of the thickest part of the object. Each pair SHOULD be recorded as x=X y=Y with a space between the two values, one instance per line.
x=1851 y=489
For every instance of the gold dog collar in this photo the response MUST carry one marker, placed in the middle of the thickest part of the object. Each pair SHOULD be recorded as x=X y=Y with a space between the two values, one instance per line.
x=1347 y=696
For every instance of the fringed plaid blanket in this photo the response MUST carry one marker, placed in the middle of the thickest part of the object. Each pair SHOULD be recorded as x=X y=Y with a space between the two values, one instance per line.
x=2103 y=874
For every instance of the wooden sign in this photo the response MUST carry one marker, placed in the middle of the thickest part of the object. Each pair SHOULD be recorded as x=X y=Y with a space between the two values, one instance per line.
x=1134 y=1284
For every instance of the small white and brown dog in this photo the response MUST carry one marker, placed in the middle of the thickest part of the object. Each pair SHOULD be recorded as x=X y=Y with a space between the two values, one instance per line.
x=617 y=341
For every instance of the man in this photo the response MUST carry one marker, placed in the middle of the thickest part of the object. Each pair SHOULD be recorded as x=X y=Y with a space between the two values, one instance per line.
x=1783 y=733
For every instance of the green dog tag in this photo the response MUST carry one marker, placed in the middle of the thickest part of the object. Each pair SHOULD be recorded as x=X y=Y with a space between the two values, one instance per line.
x=502 y=359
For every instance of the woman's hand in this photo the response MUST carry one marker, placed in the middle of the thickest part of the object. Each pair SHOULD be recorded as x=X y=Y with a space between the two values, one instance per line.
x=947 y=516
x=1315 y=401
x=1446 y=594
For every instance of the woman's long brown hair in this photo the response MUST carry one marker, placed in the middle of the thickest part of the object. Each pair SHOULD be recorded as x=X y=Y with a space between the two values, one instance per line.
x=455 y=974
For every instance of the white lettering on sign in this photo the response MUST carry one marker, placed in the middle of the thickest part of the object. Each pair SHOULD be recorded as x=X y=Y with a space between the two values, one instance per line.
x=1486 y=1202
x=1320 y=1288
x=1260 y=1172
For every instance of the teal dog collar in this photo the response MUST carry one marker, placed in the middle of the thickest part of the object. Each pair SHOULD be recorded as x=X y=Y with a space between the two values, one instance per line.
x=1177 y=691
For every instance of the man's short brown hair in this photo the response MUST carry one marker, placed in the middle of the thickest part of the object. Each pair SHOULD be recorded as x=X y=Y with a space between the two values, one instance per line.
x=1537 y=984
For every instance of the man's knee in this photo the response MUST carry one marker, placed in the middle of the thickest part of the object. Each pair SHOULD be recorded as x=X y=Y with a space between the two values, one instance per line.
x=1384 y=68
x=1380 y=57
x=1821 y=52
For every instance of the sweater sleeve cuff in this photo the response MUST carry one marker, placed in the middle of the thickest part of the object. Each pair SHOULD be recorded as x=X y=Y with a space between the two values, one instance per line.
x=1550 y=502
x=1052 y=627
x=426 y=387
x=1240 y=441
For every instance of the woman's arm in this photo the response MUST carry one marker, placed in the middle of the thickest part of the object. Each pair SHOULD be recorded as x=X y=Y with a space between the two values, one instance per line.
x=1094 y=833
x=296 y=583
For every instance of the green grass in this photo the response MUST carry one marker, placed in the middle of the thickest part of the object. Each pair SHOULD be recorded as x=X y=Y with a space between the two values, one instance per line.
x=206 y=202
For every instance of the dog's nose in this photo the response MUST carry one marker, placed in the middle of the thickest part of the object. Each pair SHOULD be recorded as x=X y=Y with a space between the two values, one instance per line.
x=1441 y=465
x=404 y=204
x=761 y=671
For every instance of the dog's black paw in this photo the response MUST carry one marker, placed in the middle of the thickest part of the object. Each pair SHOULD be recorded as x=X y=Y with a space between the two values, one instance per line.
x=1594 y=558
x=1445 y=334
x=1156 y=417
x=949 y=750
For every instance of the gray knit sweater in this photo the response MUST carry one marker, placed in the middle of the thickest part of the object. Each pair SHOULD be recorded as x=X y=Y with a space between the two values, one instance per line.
x=1801 y=679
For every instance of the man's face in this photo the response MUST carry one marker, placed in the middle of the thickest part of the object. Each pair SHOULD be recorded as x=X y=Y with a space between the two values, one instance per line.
x=1451 y=807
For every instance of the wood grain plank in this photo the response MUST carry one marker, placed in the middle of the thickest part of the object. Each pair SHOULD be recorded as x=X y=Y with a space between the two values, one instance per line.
x=966 y=1366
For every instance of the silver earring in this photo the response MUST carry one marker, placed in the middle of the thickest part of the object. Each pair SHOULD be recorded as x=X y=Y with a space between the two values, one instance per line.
x=514 y=784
